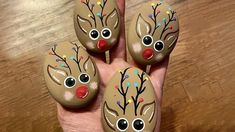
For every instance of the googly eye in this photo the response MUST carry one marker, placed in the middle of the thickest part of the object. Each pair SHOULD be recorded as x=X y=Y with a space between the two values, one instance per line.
x=84 y=78
x=106 y=33
x=159 y=46
x=94 y=34
x=122 y=124
x=138 y=125
x=147 y=40
x=69 y=82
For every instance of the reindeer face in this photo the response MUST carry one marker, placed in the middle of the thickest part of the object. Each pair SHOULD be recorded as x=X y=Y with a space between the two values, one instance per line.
x=97 y=24
x=153 y=33
x=71 y=76
x=129 y=102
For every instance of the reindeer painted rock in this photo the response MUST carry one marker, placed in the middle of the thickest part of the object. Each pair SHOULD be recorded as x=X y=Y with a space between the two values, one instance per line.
x=71 y=75
x=153 y=33
x=97 y=24
x=129 y=102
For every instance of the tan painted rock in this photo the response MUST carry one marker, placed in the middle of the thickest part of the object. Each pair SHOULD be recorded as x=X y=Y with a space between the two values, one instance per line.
x=153 y=33
x=97 y=24
x=71 y=75
x=129 y=102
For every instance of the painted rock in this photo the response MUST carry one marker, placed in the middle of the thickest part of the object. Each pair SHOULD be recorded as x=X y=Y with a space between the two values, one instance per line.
x=97 y=24
x=129 y=102
x=153 y=33
x=71 y=75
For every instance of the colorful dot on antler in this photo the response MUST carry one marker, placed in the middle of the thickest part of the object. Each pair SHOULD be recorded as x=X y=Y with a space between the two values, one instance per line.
x=136 y=84
x=171 y=27
x=141 y=100
x=146 y=78
x=126 y=76
x=164 y=19
x=128 y=84
x=89 y=15
x=73 y=48
x=130 y=101
x=116 y=86
x=118 y=102
x=136 y=72
x=98 y=14
x=98 y=3
x=153 y=4
x=150 y=15
x=64 y=56
x=158 y=11
x=62 y=65
x=120 y=71
x=72 y=57
x=167 y=12
x=159 y=24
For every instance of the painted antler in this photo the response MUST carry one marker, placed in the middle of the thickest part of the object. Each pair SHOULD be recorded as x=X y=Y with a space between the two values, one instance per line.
x=122 y=92
x=139 y=90
x=61 y=59
x=101 y=14
x=76 y=59
x=154 y=17
x=171 y=19
x=90 y=8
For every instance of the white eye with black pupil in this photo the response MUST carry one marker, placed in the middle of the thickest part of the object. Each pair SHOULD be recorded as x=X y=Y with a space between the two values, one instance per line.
x=69 y=82
x=94 y=34
x=84 y=78
x=147 y=40
x=106 y=33
x=138 y=125
x=122 y=124
x=159 y=46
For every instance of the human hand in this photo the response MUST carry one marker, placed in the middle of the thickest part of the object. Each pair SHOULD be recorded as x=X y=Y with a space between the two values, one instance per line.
x=89 y=119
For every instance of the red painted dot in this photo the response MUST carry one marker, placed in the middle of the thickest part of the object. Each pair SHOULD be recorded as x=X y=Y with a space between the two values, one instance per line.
x=141 y=100
x=116 y=87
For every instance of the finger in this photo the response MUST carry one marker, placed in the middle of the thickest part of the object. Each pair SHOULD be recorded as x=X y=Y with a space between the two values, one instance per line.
x=157 y=76
x=120 y=50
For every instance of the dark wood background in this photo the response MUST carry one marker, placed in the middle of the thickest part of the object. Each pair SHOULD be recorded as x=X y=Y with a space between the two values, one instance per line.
x=199 y=92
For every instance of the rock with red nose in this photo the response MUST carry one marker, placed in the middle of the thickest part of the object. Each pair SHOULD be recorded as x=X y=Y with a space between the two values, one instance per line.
x=82 y=92
x=147 y=54
x=102 y=44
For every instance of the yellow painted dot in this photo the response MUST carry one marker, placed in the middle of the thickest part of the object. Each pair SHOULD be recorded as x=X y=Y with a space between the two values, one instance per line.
x=152 y=4
x=130 y=101
x=89 y=15
x=120 y=71
x=64 y=56
x=167 y=12
x=98 y=3
x=146 y=78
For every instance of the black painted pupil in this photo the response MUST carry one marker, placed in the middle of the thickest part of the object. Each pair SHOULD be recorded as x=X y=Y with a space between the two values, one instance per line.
x=70 y=82
x=94 y=34
x=138 y=124
x=147 y=40
x=122 y=124
x=84 y=78
x=159 y=46
x=106 y=33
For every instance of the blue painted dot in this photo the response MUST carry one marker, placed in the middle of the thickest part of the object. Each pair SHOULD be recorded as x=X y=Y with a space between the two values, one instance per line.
x=136 y=84
x=136 y=72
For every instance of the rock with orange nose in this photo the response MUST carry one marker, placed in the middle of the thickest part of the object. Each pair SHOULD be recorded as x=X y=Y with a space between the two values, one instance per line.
x=71 y=75
x=97 y=24
x=153 y=33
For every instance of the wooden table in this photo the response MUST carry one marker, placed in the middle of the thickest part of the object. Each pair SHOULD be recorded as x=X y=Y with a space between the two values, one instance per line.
x=199 y=93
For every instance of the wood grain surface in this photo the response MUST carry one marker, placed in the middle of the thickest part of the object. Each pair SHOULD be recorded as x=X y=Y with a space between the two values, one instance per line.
x=199 y=92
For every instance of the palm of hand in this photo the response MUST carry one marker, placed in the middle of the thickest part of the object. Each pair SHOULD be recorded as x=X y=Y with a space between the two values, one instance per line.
x=89 y=119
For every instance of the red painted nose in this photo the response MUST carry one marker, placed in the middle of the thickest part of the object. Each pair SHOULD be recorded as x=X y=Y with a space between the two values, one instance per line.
x=148 y=53
x=102 y=44
x=82 y=92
